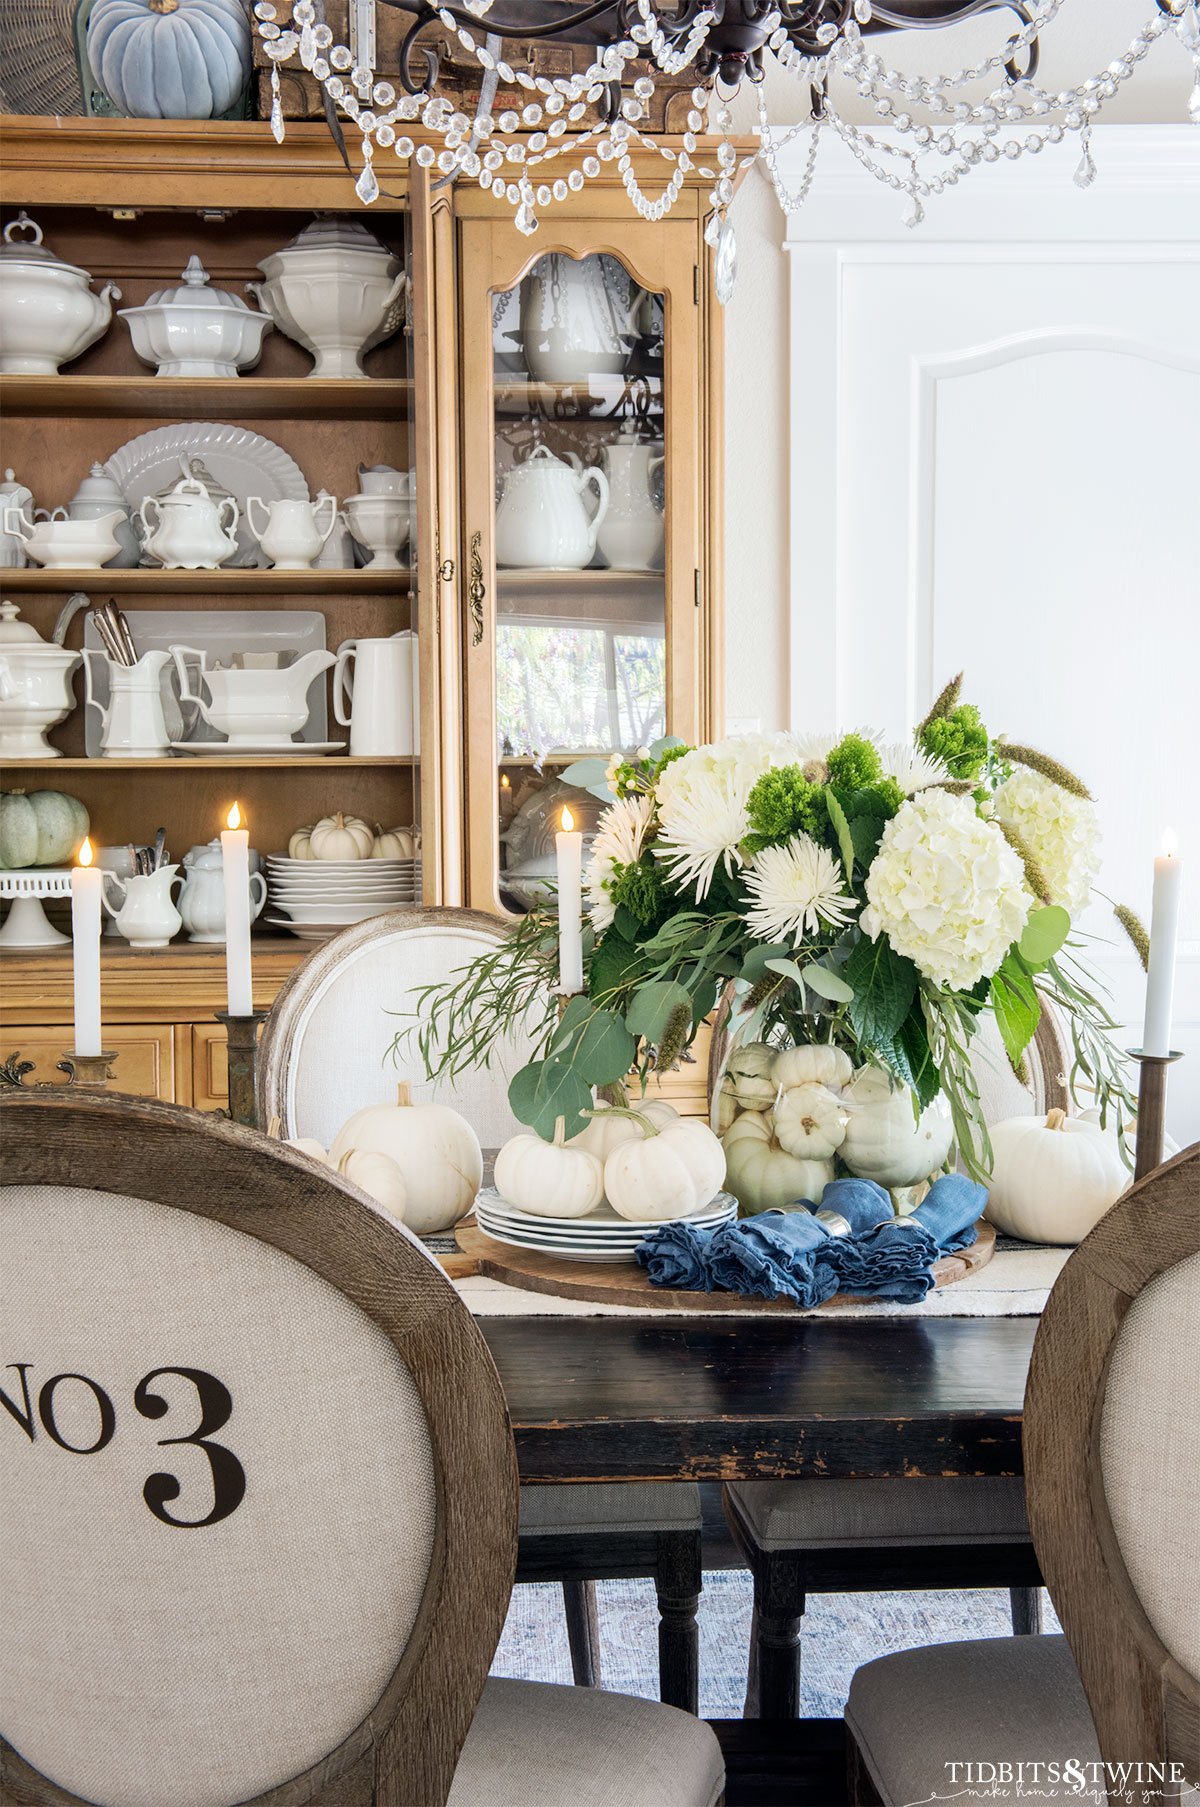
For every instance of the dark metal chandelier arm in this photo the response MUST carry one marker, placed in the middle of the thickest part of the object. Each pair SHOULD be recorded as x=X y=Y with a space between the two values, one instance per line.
x=561 y=27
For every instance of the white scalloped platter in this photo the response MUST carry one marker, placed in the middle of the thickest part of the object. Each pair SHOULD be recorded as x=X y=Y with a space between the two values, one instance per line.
x=245 y=462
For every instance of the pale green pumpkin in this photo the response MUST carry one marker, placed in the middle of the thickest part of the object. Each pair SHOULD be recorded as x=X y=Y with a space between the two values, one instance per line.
x=40 y=828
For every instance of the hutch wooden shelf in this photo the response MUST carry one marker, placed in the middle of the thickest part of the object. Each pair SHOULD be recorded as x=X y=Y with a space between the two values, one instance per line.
x=511 y=662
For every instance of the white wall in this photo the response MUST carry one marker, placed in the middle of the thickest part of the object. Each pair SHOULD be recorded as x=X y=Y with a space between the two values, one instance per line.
x=759 y=381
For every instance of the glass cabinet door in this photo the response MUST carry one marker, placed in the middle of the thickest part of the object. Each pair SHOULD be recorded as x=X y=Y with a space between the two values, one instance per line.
x=580 y=503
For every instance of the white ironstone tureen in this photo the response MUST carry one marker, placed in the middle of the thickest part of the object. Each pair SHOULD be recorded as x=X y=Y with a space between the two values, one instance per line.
x=195 y=330
x=48 y=313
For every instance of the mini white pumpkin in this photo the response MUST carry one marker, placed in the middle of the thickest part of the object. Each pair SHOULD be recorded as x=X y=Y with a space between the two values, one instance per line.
x=435 y=1149
x=340 y=837
x=393 y=844
x=725 y=1106
x=813 y=1063
x=750 y=1070
x=549 y=1179
x=762 y=1176
x=377 y=1175
x=665 y=1172
x=884 y=1141
x=302 y=1144
x=610 y=1126
x=1053 y=1177
x=810 y=1121
x=1169 y=1147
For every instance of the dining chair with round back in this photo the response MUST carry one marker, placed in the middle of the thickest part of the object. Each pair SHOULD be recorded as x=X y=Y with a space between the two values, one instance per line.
x=815 y=1536
x=325 y=1054
x=260 y=1498
x=1112 y=1472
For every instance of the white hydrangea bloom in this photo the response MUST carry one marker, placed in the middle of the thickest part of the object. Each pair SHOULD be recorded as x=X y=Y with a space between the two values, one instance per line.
x=617 y=842
x=946 y=889
x=797 y=890
x=1060 y=830
x=702 y=804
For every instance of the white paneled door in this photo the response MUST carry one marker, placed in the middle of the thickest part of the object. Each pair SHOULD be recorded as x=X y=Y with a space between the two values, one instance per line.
x=996 y=469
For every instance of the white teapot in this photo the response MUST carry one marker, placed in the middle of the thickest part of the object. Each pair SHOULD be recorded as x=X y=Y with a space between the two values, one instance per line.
x=542 y=522
x=48 y=313
x=190 y=531
x=202 y=900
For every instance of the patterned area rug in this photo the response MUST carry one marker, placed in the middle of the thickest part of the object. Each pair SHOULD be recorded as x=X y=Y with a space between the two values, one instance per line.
x=840 y=1632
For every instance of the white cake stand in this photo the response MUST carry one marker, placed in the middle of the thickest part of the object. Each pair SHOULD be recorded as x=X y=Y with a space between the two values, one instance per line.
x=26 y=925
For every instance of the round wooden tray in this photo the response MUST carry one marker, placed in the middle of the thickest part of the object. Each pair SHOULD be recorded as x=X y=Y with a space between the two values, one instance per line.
x=626 y=1284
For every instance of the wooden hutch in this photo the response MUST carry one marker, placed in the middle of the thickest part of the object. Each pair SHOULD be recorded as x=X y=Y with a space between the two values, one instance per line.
x=446 y=398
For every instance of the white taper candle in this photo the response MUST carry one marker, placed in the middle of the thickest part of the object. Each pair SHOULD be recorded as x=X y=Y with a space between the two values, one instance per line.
x=235 y=857
x=568 y=845
x=1164 y=930
x=87 y=882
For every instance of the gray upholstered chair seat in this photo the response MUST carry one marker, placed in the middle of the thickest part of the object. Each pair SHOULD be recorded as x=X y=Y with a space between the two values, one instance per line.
x=533 y=1744
x=817 y=1514
x=610 y=1506
x=994 y=1699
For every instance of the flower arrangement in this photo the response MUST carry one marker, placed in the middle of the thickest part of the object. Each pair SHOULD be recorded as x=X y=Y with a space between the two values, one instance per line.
x=875 y=899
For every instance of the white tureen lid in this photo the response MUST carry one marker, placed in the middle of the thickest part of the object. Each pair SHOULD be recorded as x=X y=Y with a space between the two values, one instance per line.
x=32 y=251
x=194 y=292
x=14 y=631
x=335 y=235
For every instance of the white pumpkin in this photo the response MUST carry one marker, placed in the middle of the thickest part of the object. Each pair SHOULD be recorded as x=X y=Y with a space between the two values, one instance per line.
x=393 y=844
x=725 y=1106
x=884 y=1141
x=749 y=1070
x=610 y=1126
x=814 y=1063
x=435 y=1149
x=667 y=1172
x=762 y=1176
x=810 y=1121
x=340 y=837
x=549 y=1179
x=302 y=1144
x=378 y=1176
x=1053 y=1177
x=1169 y=1146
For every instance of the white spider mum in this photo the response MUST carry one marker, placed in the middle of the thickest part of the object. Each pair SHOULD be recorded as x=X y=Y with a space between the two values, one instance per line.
x=913 y=769
x=702 y=804
x=617 y=843
x=797 y=889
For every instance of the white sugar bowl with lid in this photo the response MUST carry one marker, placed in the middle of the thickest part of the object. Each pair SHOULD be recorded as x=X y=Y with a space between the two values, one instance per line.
x=48 y=313
x=195 y=330
x=335 y=290
x=35 y=687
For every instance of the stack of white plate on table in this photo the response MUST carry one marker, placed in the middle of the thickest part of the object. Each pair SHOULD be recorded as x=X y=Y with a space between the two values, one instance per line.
x=600 y=1236
x=316 y=898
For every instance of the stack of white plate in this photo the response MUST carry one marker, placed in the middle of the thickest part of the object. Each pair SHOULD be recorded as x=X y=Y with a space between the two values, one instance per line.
x=600 y=1236
x=316 y=898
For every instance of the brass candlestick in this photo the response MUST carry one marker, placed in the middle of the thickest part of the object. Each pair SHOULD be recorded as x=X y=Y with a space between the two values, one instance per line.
x=1152 y=1108
x=91 y=1070
x=241 y=1033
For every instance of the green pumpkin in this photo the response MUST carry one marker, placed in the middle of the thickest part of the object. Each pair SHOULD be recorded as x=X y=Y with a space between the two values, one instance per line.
x=39 y=828
x=170 y=59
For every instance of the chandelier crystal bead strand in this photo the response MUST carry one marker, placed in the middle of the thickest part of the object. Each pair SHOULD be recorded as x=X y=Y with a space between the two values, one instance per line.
x=536 y=156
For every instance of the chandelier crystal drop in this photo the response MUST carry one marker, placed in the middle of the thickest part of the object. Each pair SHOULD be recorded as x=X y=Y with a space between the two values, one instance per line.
x=940 y=126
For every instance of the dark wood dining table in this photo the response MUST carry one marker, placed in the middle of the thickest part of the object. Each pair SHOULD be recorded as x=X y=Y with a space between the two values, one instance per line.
x=602 y=1399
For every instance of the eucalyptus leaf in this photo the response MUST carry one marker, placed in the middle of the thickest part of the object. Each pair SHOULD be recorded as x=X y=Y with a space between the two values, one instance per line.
x=594 y=1042
x=789 y=969
x=546 y=1090
x=1043 y=935
x=841 y=828
x=584 y=773
x=757 y=961
x=827 y=984
x=653 y=1007
x=659 y=747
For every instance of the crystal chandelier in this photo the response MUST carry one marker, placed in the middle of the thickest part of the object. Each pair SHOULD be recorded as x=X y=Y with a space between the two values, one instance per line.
x=569 y=126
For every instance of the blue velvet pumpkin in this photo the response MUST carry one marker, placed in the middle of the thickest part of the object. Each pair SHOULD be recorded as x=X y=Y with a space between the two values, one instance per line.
x=170 y=59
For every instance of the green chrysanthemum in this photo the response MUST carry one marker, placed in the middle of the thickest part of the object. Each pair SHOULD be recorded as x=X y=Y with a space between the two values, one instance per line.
x=854 y=763
x=959 y=740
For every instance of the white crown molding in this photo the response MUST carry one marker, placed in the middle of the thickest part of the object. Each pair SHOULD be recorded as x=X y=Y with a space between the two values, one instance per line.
x=1147 y=188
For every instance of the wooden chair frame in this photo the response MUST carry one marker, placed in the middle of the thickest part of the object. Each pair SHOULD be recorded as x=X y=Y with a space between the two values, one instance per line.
x=670 y=1558
x=1144 y=1704
x=404 y=1752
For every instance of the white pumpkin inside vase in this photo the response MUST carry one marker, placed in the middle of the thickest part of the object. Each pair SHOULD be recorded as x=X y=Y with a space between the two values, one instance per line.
x=1053 y=1177
x=436 y=1150
x=885 y=1140
x=762 y=1175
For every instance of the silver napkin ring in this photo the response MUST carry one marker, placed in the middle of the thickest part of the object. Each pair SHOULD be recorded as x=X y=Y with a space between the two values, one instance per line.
x=910 y=1222
x=834 y=1222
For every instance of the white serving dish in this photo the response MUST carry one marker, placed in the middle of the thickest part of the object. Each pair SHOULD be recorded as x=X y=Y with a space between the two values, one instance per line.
x=336 y=291
x=242 y=462
x=67 y=545
x=220 y=634
x=196 y=331
x=35 y=687
x=48 y=313
x=603 y=1224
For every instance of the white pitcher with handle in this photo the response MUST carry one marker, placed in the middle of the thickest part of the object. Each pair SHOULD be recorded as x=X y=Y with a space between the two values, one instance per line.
x=146 y=914
x=132 y=722
x=291 y=533
x=376 y=703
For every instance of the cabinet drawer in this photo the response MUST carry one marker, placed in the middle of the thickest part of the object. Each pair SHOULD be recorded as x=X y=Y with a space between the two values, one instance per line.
x=210 y=1067
x=145 y=1064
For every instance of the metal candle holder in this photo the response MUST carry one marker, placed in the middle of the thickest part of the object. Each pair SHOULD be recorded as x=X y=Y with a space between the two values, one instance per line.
x=241 y=1033
x=89 y=1070
x=1152 y=1108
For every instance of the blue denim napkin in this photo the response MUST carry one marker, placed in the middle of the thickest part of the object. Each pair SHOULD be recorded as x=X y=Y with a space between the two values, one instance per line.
x=862 y=1203
x=950 y=1210
x=893 y=1258
x=771 y=1256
